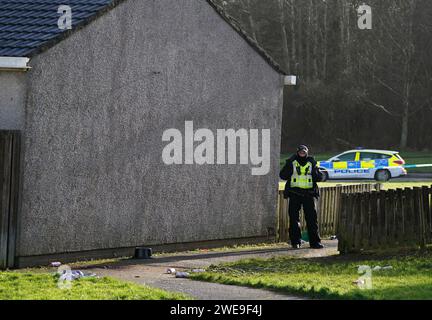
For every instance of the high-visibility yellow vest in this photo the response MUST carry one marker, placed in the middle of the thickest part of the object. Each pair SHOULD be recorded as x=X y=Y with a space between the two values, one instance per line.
x=302 y=176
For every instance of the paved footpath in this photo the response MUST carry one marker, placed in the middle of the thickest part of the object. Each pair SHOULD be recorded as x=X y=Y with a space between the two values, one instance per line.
x=152 y=272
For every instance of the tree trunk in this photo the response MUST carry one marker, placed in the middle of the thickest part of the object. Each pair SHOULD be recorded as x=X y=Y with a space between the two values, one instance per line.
x=315 y=46
x=404 y=131
x=300 y=42
x=251 y=21
x=285 y=50
x=324 y=45
x=293 y=36
x=308 y=42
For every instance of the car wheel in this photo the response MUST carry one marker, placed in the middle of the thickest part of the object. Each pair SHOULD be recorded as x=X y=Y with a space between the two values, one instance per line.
x=382 y=175
x=325 y=176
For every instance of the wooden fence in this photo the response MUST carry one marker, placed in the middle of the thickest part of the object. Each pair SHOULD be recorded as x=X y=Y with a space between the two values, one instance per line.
x=380 y=220
x=328 y=208
x=9 y=178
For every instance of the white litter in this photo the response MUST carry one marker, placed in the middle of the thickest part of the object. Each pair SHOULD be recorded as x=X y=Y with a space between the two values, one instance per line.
x=171 y=271
x=378 y=268
x=198 y=270
x=71 y=275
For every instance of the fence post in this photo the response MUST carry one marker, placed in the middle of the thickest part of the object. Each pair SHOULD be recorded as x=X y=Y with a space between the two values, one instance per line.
x=365 y=214
x=420 y=223
x=389 y=210
x=9 y=189
x=278 y=214
x=415 y=217
x=427 y=214
x=342 y=225
x=338 y=208
x=355 y=217
x=338 y=232
x=392 y=208
x=5 y=172
x=332 y=215
x=321 y=210
x=328 y=211
x=411 y=217
x=374 y=227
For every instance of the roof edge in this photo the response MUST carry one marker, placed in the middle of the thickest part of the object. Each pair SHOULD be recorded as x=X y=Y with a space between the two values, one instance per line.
x=228 y=19
x=62 y=36
x=254 y=44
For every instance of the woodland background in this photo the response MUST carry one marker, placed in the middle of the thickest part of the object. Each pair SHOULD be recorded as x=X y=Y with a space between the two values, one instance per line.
x=357 y=88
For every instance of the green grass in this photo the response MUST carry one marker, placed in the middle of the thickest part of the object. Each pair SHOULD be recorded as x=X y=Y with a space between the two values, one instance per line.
x=43 y=286
x=331 y=277
x=418 y=158
x=401 y=185
x=409 y=157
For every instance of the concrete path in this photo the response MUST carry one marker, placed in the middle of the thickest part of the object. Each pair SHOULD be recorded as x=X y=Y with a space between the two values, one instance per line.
x=152 y=272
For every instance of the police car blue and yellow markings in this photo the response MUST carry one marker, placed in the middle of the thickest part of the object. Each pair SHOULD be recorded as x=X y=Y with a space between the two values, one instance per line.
x=364 y=167
x=392 y=160
x=355 y=166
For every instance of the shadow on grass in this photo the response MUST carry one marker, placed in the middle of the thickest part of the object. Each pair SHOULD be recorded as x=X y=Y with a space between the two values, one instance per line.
x=309 y=277
x=125 y=262
x=406 y=292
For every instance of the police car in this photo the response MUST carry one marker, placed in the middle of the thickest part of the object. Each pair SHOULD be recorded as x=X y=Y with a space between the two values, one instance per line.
x=381 y=165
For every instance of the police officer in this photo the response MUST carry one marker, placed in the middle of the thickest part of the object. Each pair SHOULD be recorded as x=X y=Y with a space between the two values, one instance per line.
x=301 y=188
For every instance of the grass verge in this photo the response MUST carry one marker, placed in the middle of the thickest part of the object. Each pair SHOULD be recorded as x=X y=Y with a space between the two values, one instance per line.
x=43 y=286
x=332 y=277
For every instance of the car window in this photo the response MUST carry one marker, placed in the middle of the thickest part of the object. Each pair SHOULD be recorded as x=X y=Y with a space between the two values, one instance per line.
x=347 y=156
x=366 y=156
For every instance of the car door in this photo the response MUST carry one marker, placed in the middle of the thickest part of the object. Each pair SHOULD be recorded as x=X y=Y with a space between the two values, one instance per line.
x=371 y=162
x=343 y=166
x=368 y=166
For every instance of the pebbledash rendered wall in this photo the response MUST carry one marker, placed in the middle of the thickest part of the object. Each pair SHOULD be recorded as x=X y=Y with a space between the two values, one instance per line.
x=97 y=105
x=12 y=100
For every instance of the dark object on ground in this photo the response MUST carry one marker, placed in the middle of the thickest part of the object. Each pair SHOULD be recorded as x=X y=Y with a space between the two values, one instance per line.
x=333 y=238
x=296 y=246
x=182 y=274
x=143 y=253
x=317 y=246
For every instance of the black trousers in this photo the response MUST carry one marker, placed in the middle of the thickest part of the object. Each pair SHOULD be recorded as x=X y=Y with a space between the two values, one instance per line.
x=308 y=203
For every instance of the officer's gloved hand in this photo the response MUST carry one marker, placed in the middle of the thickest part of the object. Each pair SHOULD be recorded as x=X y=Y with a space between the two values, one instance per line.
x=319 y=175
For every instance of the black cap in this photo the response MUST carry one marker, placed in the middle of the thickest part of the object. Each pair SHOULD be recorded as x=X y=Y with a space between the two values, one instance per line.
x=302 y=147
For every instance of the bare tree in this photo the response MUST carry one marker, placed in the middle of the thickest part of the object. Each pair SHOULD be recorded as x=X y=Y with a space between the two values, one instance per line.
x=396 y=68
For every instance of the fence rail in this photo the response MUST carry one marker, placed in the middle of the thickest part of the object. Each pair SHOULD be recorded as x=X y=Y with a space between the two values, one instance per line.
x=379 y=220
x=328 y=208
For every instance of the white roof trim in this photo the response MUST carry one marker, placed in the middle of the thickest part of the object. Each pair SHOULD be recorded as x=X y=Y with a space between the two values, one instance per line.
x=14 y=63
